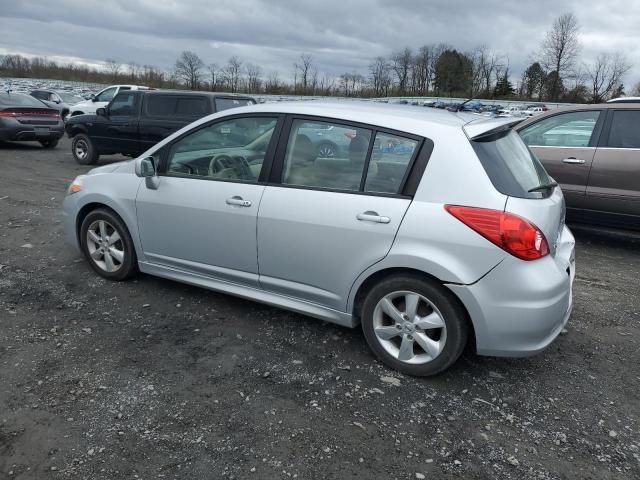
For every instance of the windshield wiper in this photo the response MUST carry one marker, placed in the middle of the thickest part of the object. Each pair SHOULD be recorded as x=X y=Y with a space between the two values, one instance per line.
x=544 y=186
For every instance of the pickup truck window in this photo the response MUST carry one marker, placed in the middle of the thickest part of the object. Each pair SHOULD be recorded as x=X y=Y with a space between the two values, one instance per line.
x=192 y=106
x=124 y=104
x=161 y=105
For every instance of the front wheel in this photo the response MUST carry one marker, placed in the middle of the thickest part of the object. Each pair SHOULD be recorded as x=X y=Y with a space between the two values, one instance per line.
x=83 y=150
x=414 y=325
x=105 y=241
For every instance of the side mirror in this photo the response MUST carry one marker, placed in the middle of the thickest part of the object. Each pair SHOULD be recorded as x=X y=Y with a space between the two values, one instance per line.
x=101 y=112
x=146 y=168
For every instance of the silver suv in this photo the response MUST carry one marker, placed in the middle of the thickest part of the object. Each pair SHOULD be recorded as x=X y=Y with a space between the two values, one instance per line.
x=433 y=230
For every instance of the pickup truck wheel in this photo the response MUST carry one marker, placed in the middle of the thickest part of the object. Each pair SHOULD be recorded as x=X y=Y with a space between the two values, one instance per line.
x=83 y=150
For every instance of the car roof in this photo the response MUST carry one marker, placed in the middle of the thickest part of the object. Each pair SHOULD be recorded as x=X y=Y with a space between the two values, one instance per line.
x=625 y=100
x=195 y=92
x=404 y=118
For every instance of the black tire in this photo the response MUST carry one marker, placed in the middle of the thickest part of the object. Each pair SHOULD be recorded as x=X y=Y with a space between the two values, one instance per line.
x=128 y=267
x=49 y=143
x=82 y=143
x=452 y=313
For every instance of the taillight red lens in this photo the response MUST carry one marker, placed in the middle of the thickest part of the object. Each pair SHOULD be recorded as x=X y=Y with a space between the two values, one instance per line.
x=28 y=113
x=508 y=231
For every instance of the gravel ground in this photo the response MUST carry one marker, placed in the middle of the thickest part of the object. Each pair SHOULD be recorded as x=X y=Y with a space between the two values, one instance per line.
x=154 y=379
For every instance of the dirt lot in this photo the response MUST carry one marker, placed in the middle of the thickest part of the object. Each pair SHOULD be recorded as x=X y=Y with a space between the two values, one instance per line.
x=153 y=379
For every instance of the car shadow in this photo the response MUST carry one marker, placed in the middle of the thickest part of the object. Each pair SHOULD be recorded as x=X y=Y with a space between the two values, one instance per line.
x=20 y=146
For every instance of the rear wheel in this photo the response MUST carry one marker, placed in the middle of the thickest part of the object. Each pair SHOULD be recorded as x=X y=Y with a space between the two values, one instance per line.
x=414 y=325
x=83 y=150
x=327 y=150
x=106 y=243
x=49 y=143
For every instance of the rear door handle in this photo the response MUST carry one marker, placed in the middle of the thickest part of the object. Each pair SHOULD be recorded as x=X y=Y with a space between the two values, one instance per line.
x=237 y=200
x=370 y=216
x=573 y=161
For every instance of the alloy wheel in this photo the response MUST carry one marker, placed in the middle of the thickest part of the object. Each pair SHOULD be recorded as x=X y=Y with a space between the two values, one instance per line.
x=105 y=246
x=81 y=149
x=409 y=327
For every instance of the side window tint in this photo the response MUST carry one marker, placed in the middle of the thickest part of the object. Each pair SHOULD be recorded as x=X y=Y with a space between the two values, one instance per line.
x=228 y=150
x=161 y=105
x=192 y=106
x=625 y=129
x=564 y=130
x=124 y=104
x=390 y=159
x=325 y=155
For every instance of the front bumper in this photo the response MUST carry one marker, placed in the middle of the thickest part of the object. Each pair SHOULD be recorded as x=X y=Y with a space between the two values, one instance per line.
x=519 y=307
x=69 y=215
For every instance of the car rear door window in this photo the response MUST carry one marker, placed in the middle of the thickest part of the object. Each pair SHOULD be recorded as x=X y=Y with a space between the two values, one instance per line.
x=625 y=129
x=572 y=129
x=228 y=150
x=305 y=166
x=196 y=106
x=227 y=103
x=390 y=159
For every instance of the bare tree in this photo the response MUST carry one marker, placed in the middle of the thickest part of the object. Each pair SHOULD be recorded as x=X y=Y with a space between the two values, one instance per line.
x=303 y=66
x=380 y=76
x=273 y=84
x=401 y=64
x=560 y=49
x=605 y=75
x=114 y=68
x=213 y=72
x=188 y=68
x=253 y=77
x=232 y=73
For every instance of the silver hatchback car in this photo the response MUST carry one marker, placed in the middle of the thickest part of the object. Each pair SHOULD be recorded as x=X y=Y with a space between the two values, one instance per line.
x=433 y=230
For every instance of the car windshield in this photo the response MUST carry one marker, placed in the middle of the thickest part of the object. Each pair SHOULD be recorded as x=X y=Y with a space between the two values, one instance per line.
x=513 y=169
x=70 y=97
x=19 y=100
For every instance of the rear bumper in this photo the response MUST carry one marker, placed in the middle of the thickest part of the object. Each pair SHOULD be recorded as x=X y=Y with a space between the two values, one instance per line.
x=519 y=308
x=11 y=129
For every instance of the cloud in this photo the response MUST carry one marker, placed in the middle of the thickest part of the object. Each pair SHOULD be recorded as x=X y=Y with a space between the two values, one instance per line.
x=340 y=35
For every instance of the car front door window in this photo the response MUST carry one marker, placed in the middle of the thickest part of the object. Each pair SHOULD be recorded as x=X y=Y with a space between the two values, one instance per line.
x=228 y=150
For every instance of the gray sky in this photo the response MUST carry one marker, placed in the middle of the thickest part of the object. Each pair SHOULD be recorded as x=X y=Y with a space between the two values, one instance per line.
x=341 y=35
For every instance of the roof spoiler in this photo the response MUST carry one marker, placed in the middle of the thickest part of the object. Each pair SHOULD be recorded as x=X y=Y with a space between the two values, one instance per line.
x=482 y=129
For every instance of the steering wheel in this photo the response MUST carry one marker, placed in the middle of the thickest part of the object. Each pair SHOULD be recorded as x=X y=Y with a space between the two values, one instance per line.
x=236 y=164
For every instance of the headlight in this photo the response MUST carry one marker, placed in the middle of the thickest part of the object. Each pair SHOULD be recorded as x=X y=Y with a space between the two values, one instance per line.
x=76 y=185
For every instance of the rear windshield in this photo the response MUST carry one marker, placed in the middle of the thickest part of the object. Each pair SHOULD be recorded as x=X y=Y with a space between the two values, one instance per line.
x=513 y=169
x=227 y=103
x=20 y=100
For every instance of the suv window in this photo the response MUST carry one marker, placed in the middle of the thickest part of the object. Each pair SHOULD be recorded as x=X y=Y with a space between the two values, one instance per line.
x=572 y=129
x=227 y=103
x=390 y=157
x=196 y=106
x=40 y=95
x=625 y=130
x=228 y=150
x=106 y=95
x=124 y=104
x=343 y=170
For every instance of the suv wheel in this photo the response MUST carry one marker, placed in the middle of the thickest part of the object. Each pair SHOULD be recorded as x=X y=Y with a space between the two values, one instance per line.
x=83 y=149
x=327 y=150
x=106 y=243
x=49 y=143
x=414 y=325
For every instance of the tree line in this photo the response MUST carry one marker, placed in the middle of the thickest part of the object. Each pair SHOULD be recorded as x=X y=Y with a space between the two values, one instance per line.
x=555 y=73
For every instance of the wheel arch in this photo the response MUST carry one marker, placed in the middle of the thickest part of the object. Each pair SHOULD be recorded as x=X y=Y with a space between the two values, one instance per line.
x=365 y=286
x=76 y=129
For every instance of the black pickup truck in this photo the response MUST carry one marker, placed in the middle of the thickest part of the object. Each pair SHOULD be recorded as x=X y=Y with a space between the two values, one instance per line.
x=135 y=120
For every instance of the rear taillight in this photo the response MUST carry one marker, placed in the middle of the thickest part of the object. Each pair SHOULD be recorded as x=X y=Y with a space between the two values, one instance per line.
x=510 y=232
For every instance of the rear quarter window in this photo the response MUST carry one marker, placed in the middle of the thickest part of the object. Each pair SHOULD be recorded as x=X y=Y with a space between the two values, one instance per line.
x=511 y=166
x=227 y=103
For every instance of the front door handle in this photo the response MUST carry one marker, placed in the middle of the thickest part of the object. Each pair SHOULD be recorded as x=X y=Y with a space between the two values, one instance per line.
x=370 y=216
x=573 y=161
x=236 y=200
